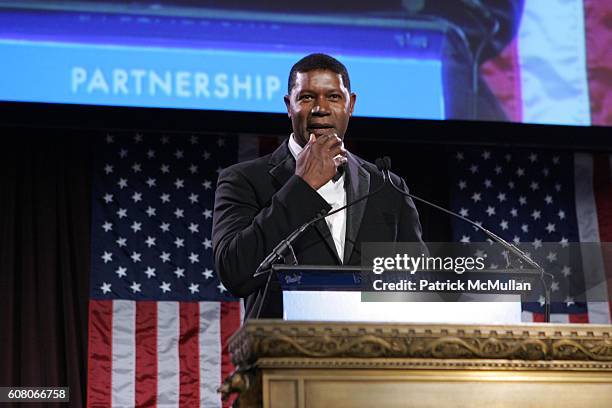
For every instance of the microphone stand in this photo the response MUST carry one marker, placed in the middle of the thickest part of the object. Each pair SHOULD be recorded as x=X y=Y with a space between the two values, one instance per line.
x=386 y=166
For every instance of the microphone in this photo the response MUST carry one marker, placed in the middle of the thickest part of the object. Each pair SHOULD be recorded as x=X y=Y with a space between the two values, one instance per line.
x=279 y=250
x=386 y=167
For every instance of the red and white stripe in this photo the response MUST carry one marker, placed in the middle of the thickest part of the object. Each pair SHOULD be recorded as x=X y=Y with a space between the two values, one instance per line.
x=159 y=354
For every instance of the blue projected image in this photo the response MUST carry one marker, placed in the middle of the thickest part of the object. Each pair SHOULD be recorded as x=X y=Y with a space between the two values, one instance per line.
x=407 y=59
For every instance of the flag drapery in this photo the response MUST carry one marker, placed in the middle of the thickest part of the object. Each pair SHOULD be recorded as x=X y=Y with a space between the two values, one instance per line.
x=532 y=198
x=158 y=316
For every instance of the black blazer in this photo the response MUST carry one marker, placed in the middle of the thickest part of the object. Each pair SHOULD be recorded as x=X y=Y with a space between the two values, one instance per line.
x=260 y=202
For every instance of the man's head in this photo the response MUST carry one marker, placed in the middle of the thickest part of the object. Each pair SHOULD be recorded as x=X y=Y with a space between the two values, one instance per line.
x=319 y=98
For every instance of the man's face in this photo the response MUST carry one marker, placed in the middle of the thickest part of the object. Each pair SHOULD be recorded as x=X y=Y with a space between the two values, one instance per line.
x=319 y=103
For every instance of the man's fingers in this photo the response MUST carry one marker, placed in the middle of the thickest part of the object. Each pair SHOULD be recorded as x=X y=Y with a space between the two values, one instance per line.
x=340 y=160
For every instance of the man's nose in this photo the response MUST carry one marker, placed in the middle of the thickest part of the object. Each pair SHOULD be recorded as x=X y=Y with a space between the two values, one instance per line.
x=320 y=107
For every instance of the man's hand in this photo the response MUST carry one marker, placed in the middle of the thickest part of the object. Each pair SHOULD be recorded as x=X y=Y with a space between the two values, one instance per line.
x=318 y=162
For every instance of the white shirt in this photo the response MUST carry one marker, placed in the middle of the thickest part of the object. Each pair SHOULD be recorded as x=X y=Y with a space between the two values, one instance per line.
x=335 y=195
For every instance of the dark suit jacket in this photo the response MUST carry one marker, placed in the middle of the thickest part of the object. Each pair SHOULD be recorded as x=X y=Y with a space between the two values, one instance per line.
x=260 y=202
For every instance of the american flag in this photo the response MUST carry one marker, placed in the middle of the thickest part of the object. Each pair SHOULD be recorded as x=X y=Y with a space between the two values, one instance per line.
x=158 y=316
x=541 y=201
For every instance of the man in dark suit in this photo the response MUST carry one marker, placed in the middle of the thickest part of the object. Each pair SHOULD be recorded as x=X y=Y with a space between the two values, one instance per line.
x=260 y=202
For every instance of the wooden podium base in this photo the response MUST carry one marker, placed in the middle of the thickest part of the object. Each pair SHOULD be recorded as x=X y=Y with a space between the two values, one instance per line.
x=301 y=364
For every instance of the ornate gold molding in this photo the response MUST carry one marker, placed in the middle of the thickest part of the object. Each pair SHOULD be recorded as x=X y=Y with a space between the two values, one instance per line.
x=265 y=339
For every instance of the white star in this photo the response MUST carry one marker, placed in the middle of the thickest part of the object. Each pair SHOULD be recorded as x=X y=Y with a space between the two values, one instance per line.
x=474 y=169
x=150 y=241
x=123 y=153
x=122 y=183
x=566 y=271
x=537 y=243
x=150 y=272
x=462 y=184
x=208 y=273
x=514 y=212
x=110 y=138
x=498 y=170
x=137 y=197
x=164 y=139
x=542 y=300
x=179 y=213
x=554 y=286
x=207 y=184
x=534 y=186
x=493 y=266
x=193 y=169
x=504 y=225
x=107 y=257
x=136 y=167
x=520 y=172
x=561 y=214
x=165 y=287
x=151 y=182
x=516 y=240
x=136 y=226
x=221 y=142
x=121 y=242
x=207 y=214
x=151 y=211
x=179 y=272
x=569 y=301
x=122 y=212
x=548 y=199
x=165 y=227
x=508 y=157
x=207 y=243
x=179 y=183
x=106 y=287
x=511 y=185
x=206 y=155
x=564 y=242
x=193 y=258
x=555 y=160
x=486 y=155
x=545 y=172
x=135 y=287
x=522 y=200
x=552 y=257
x=476 y=197
x=165 y=257
x=193 y=228
x=165 y=168
x=533 y=157
x=107 y=226
x=193 y=140
x=151 y=153
x=179 y=154
x=536 y=214
x=193 y=198
x=490 y=211
x=525 y=228
x=137 y=138
x=165 y=198
x=108 y=198
x=501 y=197
x=465 y=239
x=135 y=257
x=550 y=228
x=464 y=212
x=459 y=156
x=108 y=169
x=179 y=242
x=193 y=288
x=221 y=287
x=121 y=271
x=488 y=183
x=558 y=187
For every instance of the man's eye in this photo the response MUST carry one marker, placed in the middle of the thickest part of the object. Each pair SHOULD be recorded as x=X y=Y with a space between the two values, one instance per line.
x=305 y=97
x=334 y=97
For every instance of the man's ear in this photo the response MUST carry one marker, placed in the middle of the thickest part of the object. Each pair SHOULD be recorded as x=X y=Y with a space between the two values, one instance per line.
x=287 y=100
x=352 y=101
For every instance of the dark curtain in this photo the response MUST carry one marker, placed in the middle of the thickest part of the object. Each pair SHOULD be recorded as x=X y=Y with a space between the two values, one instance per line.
x=44 y=258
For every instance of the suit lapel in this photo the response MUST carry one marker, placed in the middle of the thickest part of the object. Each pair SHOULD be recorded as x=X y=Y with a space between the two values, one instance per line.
x=282 y=168
x=357 y=185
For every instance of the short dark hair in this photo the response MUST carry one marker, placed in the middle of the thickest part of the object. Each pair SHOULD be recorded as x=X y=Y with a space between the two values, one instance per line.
x=313 y=62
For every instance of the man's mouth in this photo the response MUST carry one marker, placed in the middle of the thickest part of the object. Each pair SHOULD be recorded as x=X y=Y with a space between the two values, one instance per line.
x=320 y=129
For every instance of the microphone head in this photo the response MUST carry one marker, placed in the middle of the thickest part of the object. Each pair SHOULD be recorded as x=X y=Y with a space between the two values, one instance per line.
x=386 y=163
